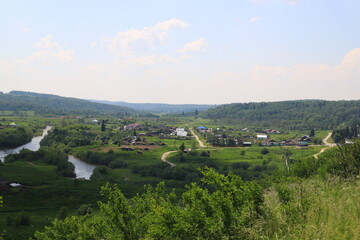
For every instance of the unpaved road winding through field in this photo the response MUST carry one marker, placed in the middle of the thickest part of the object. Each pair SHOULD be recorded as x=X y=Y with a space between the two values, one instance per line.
x=201 y=144
x=163 y=158
x=327 y=144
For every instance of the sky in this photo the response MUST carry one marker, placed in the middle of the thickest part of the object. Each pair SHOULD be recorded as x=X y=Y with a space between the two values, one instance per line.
x=169 y=51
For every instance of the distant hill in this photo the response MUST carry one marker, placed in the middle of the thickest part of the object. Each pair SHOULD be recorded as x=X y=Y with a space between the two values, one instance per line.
x=161 y=107
x=52 y=104
x=303 y=114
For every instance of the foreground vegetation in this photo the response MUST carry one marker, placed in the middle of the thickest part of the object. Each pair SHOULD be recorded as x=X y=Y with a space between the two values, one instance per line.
x=290 y=206
x=259 y=197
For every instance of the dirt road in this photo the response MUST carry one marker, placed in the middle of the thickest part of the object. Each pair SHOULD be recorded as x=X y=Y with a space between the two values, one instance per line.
x=201 y=144
x=327 y=144
x=163 y=158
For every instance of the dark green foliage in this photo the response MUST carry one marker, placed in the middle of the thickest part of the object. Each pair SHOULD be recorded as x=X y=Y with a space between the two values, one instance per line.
x=99 y=172
x=52 y=104
x=103 y=125
x=305 y=168
x=9 y=220
x=264 y=151
x=182 y=147
x=117 y=164
x=48 y=155
x=312 y=133
x=165 y=171
x=63 y=212
x=290 y=114
x=337 y=138
x=100 y=158
x=345 y=160
x=85 y=209
x=22 y=220
x=71 y=136
x=11 y=137
x=227 y=211
x=340 y=134
x=241 y=165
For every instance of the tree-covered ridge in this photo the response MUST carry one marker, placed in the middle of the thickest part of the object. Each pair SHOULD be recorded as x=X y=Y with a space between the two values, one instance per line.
x=52 y=104
x=162 y=107
x=305 y=114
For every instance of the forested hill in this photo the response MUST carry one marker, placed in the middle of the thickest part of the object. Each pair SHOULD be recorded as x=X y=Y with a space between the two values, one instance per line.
x=161 y=107
x=52 y=104
x=304 y=114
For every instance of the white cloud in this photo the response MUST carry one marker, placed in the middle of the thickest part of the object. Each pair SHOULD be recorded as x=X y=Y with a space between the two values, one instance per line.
x=199 y=45
x=22 y=26
x=25 y=29
x=259 y=1
x=47 y=43
x=254 y=19
x=125 y=43
x=292 y=2
x=47 y=56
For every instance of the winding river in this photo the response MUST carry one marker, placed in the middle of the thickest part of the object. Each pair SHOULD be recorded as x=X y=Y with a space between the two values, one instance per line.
x=83 y=170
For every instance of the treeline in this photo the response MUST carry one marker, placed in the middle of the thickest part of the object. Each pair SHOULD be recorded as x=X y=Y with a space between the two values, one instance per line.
x=47 y=155
x=301 y=114
x=71 y=136
x=11 y=137
x=162 y=107
x=110 y=159
x=56 y=105
x=341 y=134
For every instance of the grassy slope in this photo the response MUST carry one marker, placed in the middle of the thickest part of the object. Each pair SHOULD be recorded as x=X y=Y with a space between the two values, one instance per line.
x=318 y=209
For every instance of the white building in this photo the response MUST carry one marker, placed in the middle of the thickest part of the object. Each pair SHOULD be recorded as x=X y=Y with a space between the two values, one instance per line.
x=181 y=132
x=261 y=137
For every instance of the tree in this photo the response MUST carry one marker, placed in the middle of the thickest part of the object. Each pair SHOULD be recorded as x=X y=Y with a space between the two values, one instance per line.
x=337 y=138
x=63 y=212
x=103 y=125
x=182 y=147
x=264 y=151
x=312 y=133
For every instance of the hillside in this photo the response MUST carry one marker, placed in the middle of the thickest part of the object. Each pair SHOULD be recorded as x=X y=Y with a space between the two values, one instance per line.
x=304 y=114
x=52 y=104
x=161 y=107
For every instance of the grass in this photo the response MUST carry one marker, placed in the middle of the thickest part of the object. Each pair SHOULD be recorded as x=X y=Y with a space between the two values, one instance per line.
x=317 y=209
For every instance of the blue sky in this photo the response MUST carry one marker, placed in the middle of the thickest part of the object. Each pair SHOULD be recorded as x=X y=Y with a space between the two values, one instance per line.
x=182 y=51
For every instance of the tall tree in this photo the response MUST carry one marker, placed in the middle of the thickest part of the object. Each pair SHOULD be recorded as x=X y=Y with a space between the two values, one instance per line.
x=182 y=147
x=312 y=133
x=103 y=126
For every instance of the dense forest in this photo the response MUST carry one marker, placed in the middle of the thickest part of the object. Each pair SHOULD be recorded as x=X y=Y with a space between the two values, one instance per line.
x=162 y=107
x=301 y=114
x=52 y=104
x=14 y=137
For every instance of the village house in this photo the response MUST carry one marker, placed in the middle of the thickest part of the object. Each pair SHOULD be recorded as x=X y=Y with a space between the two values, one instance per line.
x=261 y=137
x=247 y=144
x=181 y=132
x=269 y=143
x=133 y=126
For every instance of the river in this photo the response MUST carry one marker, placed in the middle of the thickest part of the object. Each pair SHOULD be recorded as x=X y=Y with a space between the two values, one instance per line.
x=82 y=169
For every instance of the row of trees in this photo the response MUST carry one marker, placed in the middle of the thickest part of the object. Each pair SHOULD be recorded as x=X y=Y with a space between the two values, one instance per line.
x=47 y=155
x=317 y=114
x=13 y=137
